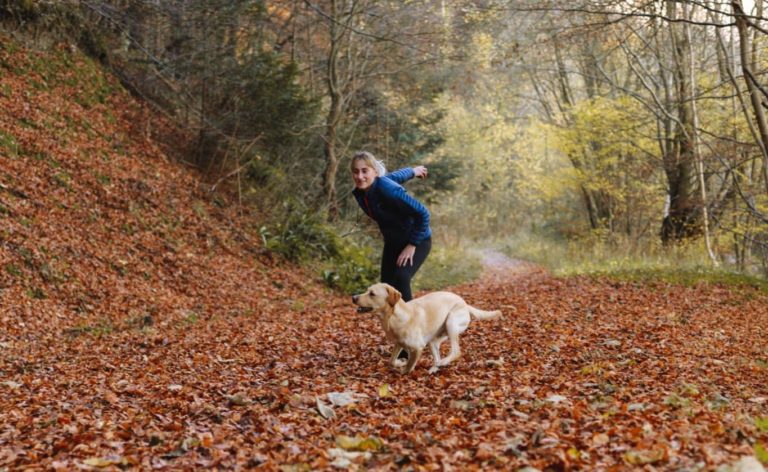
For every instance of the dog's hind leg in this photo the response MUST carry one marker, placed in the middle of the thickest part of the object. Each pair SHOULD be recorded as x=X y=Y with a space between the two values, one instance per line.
x=457 y=323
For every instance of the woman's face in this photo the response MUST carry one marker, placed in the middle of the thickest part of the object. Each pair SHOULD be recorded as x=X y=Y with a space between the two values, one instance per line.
x=362 y=174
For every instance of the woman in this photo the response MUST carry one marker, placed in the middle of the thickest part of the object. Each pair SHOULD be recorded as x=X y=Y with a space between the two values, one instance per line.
x=403 y=221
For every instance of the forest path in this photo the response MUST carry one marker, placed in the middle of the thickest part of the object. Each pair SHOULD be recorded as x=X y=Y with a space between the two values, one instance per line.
x=500 y=269
x=496 y=263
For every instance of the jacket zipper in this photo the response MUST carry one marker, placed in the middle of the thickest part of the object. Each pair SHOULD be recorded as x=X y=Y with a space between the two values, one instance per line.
x=367 y=207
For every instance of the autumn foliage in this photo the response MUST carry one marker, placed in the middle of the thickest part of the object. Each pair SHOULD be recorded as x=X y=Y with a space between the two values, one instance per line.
x=143 y=326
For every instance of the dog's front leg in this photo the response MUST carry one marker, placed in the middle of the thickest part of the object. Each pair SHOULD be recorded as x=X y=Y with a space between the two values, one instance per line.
x=413 y=358
x=434 y=348
x=397 y=363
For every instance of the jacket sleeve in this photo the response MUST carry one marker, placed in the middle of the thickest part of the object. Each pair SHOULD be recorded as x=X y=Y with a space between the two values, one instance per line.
x=408 y=205
x=402 y=175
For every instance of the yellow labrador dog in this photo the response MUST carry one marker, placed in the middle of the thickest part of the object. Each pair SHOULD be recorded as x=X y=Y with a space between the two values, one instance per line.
x=427 y=320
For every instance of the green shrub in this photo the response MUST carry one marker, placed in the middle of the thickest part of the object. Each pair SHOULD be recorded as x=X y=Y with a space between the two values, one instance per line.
x=352 y=271
x=103 y=328
x=63 y=179
x=21 y=10
x=13 y=270
x=9 y=145
x=36 y=293
x=303 y=237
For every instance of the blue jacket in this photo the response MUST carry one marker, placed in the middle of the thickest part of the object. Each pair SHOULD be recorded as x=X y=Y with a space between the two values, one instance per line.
x=402 y=219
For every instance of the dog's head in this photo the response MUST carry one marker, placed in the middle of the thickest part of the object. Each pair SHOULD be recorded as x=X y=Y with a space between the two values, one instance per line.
x=378 y=298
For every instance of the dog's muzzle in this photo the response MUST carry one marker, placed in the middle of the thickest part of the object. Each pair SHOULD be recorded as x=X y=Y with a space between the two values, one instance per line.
x=361 y=309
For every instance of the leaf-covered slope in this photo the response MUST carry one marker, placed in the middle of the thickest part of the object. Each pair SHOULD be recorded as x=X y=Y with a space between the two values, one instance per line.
x=98 y=228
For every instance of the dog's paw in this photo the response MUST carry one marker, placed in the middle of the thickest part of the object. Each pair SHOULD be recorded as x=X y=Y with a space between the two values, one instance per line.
x=433 y=369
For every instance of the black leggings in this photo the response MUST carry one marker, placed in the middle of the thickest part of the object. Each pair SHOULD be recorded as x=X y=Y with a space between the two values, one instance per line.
x=400 y=277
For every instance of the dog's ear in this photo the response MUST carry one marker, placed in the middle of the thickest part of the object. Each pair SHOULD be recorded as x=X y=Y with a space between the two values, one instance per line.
x=393 y=295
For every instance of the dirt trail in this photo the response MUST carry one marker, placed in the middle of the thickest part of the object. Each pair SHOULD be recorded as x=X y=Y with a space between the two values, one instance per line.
x=498 y=264
x=500 y=269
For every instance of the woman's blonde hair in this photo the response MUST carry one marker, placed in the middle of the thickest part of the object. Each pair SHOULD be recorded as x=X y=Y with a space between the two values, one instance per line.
x=370 y=160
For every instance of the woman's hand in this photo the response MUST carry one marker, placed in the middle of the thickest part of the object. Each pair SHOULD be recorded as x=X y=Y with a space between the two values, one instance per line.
x=420 y=172
x=406 y=257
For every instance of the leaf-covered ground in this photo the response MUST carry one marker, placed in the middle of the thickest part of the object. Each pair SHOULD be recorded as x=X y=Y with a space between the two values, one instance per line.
x=142 y=326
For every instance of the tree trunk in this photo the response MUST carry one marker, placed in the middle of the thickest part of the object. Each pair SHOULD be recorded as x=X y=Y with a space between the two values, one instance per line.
x=749 y=77
x=683 y=219
x=695 y=137
x=334 y=115
x=596 y=203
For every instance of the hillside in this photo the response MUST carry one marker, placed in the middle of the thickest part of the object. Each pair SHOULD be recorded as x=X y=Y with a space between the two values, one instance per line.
x=99 y=228
x=143 y=326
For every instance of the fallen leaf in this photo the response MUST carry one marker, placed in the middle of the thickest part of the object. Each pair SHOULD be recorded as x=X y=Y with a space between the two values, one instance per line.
x=111 y=397
x=299 y=467
x=643 y=457
x=573 y=453
x=761 y=453
x=745 y=464
x=237 y=400
x=206 y=439
x=341 y=399
x=462 y=405
x=343 y=459
x=556 y=399
x=515 y=446
x=102 y=462
x=11 y=384
x=600 y=439
x=484 y=452
x=324 y=410
x=61 y=465
x=359 y=443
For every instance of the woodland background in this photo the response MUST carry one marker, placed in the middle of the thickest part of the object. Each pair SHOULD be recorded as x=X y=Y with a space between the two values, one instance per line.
x=602 y=133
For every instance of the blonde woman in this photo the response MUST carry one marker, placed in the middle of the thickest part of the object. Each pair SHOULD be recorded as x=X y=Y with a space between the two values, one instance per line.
x=403 y=220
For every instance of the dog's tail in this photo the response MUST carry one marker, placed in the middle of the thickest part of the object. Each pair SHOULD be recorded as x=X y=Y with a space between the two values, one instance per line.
x=479 y=314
